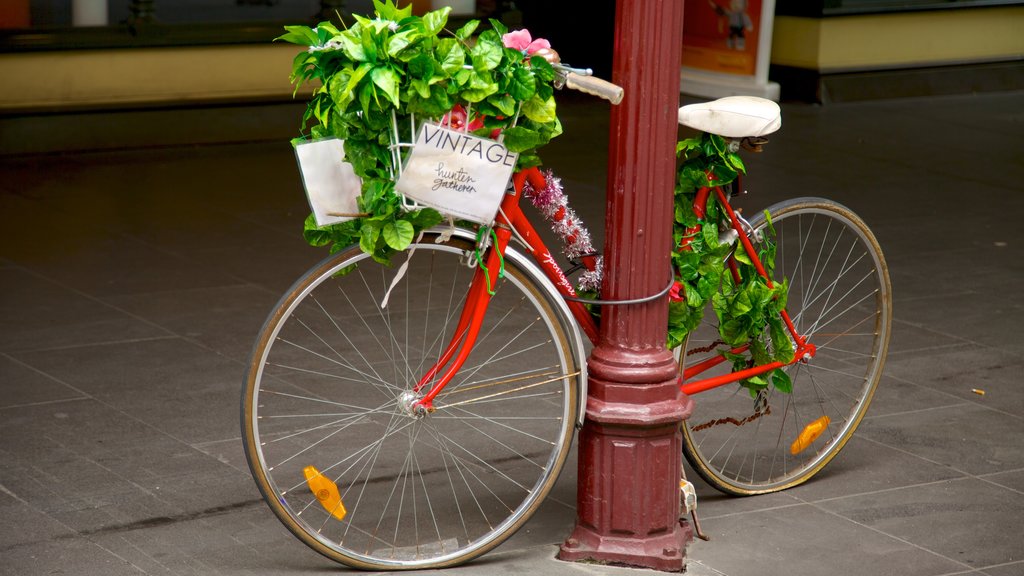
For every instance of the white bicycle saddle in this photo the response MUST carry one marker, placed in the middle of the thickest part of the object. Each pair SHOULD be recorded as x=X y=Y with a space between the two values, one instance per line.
x=733 y=116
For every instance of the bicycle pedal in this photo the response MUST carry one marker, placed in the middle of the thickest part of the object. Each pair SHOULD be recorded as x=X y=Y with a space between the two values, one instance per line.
x=687 y=496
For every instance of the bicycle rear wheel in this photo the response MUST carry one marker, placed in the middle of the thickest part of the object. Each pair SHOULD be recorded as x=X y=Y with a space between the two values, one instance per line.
x=840 y=300
x=334 y=447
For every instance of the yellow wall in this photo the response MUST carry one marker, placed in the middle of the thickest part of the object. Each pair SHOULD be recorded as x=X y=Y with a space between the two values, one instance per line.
x=147 y=76
x=37 y=81
x=899 y=40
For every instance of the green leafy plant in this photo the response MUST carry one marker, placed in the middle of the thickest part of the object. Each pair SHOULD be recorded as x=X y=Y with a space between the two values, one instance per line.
x=376 y=73
x=748 y=309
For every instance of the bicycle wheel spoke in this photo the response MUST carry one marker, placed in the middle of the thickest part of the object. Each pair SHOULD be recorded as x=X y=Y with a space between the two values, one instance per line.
x=333 y=432
x=839 y=302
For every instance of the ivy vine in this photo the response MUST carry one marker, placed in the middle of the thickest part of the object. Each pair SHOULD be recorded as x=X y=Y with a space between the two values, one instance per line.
x=747 y=310
x=396 y=65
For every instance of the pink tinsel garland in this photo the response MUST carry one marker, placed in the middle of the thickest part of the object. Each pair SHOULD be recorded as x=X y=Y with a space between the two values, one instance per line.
x=553 y=204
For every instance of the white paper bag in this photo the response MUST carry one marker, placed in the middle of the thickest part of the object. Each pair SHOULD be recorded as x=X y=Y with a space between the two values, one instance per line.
x=331 y=184
x=458 y=174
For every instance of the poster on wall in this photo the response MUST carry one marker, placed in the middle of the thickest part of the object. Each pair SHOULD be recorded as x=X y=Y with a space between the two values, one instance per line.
x=726 y=48
x=721 y=35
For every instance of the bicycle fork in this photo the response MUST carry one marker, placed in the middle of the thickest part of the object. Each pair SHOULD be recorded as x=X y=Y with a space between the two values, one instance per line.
x=467 y=329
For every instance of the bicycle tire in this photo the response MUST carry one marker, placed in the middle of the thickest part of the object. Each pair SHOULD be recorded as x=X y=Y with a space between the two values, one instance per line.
x=420 y=492
x=839 y=281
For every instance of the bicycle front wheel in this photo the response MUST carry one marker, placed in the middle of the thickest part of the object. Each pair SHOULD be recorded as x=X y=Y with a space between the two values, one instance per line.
x=839 y=300
x=330 y=436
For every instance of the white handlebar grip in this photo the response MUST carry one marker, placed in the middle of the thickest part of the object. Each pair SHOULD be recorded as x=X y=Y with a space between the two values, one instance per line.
x=595 y=87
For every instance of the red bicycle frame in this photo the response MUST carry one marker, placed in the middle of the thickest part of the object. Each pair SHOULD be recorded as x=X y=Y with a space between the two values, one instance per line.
x=511 y=217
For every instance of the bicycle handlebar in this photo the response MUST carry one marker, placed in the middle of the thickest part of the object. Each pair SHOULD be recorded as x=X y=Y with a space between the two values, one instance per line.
x=595 y=87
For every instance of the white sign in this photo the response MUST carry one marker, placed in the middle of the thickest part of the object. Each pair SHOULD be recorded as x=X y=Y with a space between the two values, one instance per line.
x=457 y=173
x=331 y=184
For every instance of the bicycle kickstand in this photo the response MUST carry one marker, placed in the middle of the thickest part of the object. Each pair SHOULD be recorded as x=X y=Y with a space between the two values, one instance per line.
x=688 y=504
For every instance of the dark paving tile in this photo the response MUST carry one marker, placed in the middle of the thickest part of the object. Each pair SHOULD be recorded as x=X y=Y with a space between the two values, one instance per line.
x=713 y=504
x=1011 y=569
x=36 y=313
x=24 y=524
x=23 y=385
x=802 y=540
x=240 y=541
x=229 y=452
x=911 y=337
x=186 y=391
x=1014 y=479
x=895 y=395
x=989 y=257
x=965 y=437
x=960 y=372
x=865 y=466
x=274 y=268
x=92 y=467
x=226 y=319
x=99 y=263
x=64 y=556
x=958 y=316
x=968 y=520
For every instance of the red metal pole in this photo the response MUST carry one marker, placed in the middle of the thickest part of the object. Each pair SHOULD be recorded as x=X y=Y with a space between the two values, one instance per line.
x=630 y=445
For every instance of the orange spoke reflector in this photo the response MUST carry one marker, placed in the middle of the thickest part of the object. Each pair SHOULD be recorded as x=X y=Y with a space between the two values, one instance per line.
x=325 y=491
x=808 y=435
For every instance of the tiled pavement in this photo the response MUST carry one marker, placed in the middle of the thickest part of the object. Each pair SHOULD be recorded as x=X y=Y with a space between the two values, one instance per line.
x=133 y=279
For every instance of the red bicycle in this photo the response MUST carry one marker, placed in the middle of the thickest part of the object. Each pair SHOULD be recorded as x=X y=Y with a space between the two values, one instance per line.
x=425 y=432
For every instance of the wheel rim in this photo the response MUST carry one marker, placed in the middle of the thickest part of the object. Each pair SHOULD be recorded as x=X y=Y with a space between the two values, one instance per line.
x=419 y=490
x=840 y=300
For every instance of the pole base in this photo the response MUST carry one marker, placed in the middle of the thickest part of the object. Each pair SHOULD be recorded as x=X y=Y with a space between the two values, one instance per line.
x=666 y=553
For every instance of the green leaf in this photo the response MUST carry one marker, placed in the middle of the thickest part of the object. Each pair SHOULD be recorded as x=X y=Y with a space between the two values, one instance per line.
x=325 y=31
x=781 y=343
x=421 y=67
x=467 y=29
x=401 y=41
x=542 y=69
x=451 y=55
x=688 y=145
x=433 y=107
x=433 y=22
x=710 y=232
x=735 y=162
x=421 y=87
x=398 y=234
x=539 y=110
x=485 y=56
x=313 y=234
x=741 y=255
x=367 y=95
x=693 y=296
x=366 y=40
x=426 y=218
x=480 y=86
x=782 y=381
x=301 y=35
x=499 y=28
x=733 y=332
x=352 y=46
x=504 y=103
x=522 y=85
x=387 y=80
x=520 y=138
x=369 y=233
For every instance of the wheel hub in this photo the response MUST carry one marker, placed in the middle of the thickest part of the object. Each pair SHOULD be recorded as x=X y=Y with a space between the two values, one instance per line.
x=408 y=403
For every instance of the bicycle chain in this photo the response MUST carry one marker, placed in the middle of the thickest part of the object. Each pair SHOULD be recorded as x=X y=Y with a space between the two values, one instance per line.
x=730 y=420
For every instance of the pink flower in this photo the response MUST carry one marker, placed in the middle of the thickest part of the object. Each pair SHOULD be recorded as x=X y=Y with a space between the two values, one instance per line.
x=677 y=292
x=456 y=120
x=522 y=41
